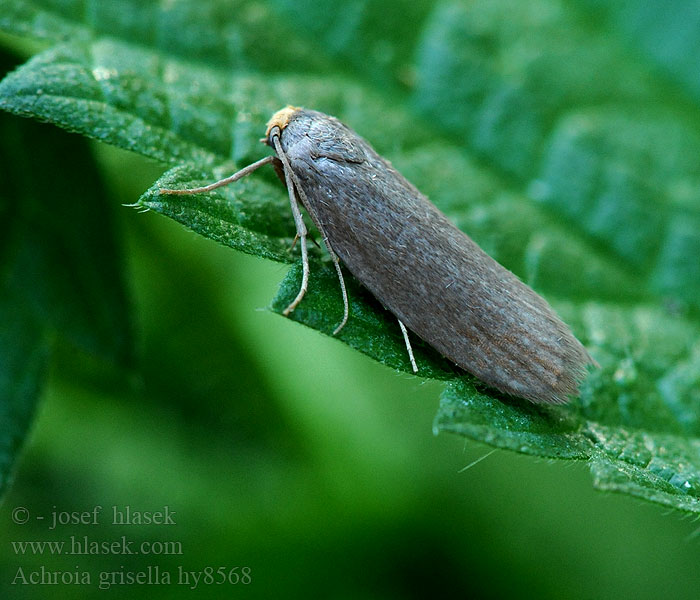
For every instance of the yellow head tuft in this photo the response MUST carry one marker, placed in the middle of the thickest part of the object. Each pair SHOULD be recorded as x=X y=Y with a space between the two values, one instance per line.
x=281 y=118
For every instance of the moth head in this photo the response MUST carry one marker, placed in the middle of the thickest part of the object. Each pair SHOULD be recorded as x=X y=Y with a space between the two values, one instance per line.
x=280 y=120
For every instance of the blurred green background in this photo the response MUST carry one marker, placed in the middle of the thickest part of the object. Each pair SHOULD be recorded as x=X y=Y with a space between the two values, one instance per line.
x=281 y=450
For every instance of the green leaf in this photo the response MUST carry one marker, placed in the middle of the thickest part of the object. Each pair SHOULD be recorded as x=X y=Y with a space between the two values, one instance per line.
x=59 y=254
x=237 y=216
x=563 y=141
x=59 y=269
x=371 y=329
x=24 y=352
x=653 y=465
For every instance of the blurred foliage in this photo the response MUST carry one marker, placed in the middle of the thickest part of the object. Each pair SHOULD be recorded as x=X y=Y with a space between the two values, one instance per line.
x=562 y=136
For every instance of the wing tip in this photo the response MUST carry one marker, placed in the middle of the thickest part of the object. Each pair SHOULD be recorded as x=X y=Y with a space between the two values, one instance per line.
x=566 y=382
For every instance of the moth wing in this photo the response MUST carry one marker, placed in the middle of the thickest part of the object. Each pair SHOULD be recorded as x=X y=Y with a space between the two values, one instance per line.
x=432 y=276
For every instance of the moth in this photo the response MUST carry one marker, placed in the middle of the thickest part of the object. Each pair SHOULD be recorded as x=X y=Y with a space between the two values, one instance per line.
x=433 y=277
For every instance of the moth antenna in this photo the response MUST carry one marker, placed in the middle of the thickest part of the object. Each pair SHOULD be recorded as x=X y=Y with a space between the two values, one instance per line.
x=298 y=220
x=414 y=366
x=222 y=182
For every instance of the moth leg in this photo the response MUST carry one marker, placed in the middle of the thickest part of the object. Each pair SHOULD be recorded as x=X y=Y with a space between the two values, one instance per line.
x=336 y=264
x=414 y=366
x=331 y=252
x=296 y=239
x=294 y=242
x=301 y=236
x=293 y=183
x=298 y=221
x=346 y=304
x=222 y=182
